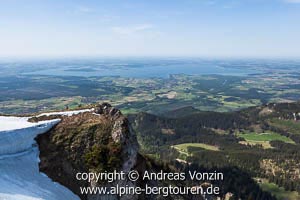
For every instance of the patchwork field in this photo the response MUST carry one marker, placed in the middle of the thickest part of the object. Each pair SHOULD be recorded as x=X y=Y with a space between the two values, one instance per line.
x=212 y=92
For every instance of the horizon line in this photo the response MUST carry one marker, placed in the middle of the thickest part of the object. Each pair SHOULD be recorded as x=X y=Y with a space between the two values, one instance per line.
x=51 y=57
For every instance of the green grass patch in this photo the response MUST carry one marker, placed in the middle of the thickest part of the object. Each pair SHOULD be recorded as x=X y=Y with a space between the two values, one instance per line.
x=127 y=111
x=265 y=137
x=188 y=148
x=287 y=125
x=277 y=191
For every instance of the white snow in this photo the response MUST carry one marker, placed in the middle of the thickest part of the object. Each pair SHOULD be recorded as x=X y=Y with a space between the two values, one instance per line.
x=67 y=113
x=20 y=178
x=12 y=123
x=20 y=137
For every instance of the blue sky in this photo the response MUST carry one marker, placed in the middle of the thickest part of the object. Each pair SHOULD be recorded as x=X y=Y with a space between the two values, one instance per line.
x=205 y=28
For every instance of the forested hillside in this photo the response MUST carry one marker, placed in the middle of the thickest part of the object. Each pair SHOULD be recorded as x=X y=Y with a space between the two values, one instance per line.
x=251 y=144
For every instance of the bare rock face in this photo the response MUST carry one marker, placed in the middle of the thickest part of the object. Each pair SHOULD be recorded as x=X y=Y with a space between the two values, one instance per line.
x=95 y=141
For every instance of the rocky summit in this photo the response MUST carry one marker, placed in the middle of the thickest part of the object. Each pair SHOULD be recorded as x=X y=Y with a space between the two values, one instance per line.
x=94 y=141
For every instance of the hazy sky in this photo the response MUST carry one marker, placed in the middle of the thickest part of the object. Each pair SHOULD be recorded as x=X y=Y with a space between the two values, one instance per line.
x=215 y=28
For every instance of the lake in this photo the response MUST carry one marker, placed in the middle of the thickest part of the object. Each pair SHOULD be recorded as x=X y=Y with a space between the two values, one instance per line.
x=140 y=68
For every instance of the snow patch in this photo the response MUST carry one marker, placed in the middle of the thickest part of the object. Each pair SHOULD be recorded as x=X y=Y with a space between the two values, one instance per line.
x=13 y=123
x=20 y=178
x=14 y=139
x=67 y=113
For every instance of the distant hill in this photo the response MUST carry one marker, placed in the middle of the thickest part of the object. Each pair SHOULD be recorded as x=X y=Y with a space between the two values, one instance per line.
x=180 y=112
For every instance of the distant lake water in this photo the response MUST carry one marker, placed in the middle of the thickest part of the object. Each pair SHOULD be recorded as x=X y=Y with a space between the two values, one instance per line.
x=143 y=69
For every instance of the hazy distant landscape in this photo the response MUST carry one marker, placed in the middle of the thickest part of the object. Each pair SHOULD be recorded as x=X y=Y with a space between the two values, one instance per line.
x=152 y=85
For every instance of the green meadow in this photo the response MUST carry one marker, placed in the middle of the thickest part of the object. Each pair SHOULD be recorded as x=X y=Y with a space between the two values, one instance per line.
x=189 y=148
x=278 y=192
x=263 y=139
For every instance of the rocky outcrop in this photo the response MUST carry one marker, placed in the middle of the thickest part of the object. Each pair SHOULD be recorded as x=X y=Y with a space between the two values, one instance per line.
x=94 y=141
